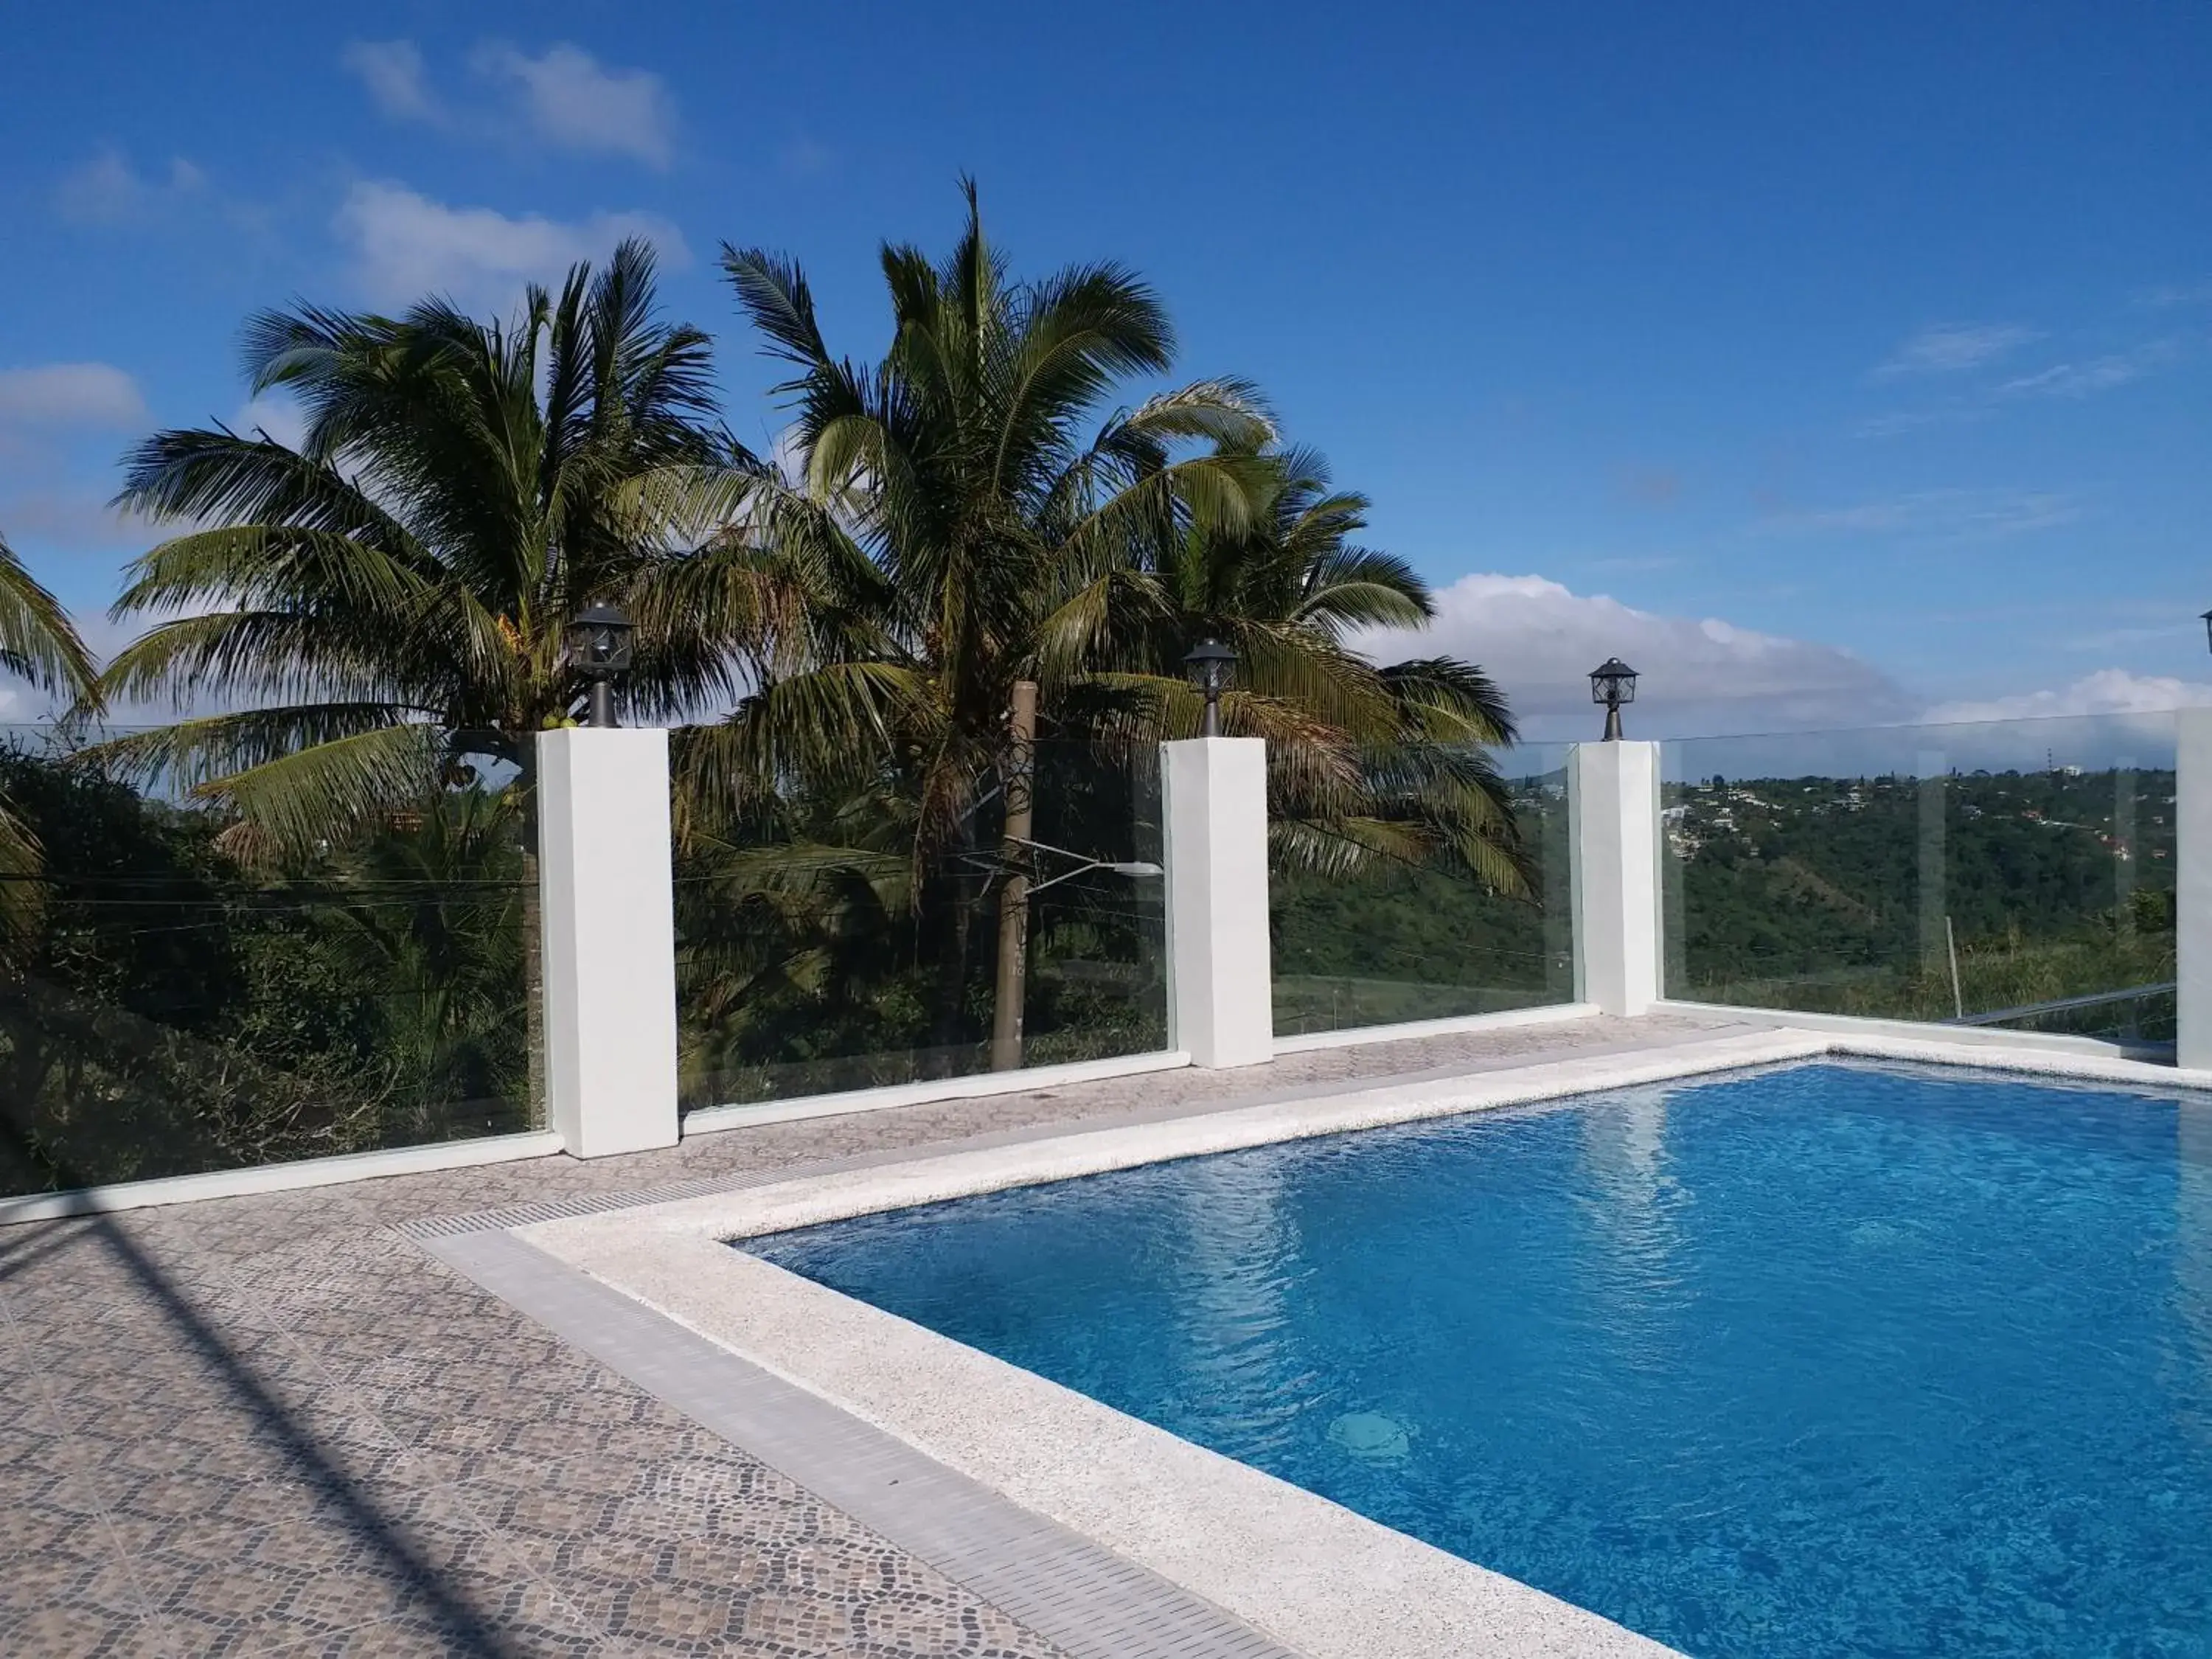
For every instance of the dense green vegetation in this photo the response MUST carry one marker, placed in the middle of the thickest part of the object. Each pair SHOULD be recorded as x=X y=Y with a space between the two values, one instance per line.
x=919 y=663
x=1831 y=894
x=919 y=660
x=1410 y=941
x=170 y=1009
x=1792 y=893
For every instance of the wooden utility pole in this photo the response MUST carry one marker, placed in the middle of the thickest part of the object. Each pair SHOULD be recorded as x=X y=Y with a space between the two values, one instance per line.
x=1020 y=779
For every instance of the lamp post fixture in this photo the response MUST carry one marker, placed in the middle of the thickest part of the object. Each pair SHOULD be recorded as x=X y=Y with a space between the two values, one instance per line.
x=2208 y=628
x=1211 y=665
x=1613 y=683
x=600 y=652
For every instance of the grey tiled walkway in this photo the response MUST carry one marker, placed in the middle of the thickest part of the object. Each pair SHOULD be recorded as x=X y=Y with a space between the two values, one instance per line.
x=279 y=1424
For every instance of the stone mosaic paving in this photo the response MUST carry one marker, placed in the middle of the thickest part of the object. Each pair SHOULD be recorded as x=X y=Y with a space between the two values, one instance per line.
x=275 y=1425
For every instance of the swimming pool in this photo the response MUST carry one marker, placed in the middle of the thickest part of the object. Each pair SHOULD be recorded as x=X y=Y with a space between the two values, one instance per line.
x=1833 y=1358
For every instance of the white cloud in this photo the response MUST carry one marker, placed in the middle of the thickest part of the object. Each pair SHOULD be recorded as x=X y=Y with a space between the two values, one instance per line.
x=393 y=73
x=2108 y=691
x=274 y=414
x=406 y=246
x=2178 y=293
x=1934 y=517
x=1952 y=348
x=1956 y=413
x=1540 y=640
x=108 y=190
x=2071 y=379
x=571 y=101
x=2092 y=375
x=70 y=394
x=68 y=520
x=563 y=97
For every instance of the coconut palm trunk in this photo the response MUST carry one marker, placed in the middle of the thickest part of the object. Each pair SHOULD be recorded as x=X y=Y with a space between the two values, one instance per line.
x=1016 y=856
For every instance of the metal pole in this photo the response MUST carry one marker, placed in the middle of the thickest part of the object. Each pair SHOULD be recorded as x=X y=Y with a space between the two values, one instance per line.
x=1210 y=726
x=603 y=704
x=1612 y=721
x=1014 y=896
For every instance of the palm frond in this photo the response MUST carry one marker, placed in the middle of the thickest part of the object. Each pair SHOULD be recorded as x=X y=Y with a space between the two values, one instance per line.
x=327 y=793
x=37 y=638
x=199 y=754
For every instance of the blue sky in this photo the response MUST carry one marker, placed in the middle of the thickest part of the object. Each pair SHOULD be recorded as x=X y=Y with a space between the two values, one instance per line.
x=1831 y=364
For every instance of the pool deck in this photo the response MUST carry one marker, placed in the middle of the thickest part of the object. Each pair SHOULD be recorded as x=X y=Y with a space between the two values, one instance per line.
x=323 y=1422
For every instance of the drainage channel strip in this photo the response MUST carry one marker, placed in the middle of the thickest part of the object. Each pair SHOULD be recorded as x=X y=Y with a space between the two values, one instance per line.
x=1093 y=1603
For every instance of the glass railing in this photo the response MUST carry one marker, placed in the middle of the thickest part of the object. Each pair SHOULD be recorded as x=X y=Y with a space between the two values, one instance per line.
x=818 y=953
x=174 y=1001
x=1383 y=922
x=2017 y=873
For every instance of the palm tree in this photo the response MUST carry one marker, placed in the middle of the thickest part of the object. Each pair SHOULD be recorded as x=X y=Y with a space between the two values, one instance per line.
x=388 y=600
x=1368 y=763
x=39 y=643
x=395 y=593
x=971 y=555
x=960 y=535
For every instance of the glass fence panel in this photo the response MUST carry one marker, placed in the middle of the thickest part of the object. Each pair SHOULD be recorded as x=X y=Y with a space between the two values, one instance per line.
x=1381 y=924
x=175 y=1000
x=818 y=953
x=2015 y=873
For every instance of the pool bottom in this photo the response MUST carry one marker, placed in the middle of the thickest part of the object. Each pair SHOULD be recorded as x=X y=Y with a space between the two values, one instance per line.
x=1828 y=1360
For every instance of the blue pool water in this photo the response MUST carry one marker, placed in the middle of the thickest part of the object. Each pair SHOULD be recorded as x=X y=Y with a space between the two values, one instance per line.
x=1834 y=1359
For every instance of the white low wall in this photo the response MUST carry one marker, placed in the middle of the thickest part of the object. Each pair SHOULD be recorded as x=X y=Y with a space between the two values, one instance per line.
x=1414 y=1031
x=279 y=1177
x=976 y=1086
x=1959 y=1036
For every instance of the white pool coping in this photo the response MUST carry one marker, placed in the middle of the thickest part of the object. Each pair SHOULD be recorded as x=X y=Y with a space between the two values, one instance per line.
x=1314 y=1577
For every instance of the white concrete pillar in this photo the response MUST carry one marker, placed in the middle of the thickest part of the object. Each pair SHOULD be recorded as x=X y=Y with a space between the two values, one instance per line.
x=606 y=879
x=2192 y=881
x=1613 y=794
x=1220 y=982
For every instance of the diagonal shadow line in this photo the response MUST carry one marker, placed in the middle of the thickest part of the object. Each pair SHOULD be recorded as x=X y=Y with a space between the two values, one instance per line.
x=464 y=1628
x=16 y=1258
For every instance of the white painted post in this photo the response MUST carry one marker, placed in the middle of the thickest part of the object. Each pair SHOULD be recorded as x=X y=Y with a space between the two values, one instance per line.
x=1221 y=984
x=605 y=877
x=2193 y=882
x=1613 y=796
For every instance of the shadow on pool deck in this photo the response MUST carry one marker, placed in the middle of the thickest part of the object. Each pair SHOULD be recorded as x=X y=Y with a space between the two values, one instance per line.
x=275 y=1424
x=122 y=1452
x=271 y=1426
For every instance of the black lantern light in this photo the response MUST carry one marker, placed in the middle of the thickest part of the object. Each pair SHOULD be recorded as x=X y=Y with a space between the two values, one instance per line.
x=1612 y=684
x=600 y=652
x=1211 y=665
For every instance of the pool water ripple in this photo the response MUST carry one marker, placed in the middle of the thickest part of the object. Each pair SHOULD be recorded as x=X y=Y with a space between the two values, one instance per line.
x=1828 y=1359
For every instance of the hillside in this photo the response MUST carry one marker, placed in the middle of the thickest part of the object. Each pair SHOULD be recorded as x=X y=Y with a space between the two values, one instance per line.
x=1800 y=892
